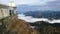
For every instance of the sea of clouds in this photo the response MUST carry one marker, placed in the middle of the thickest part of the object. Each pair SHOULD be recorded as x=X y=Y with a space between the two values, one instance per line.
x=31 y=19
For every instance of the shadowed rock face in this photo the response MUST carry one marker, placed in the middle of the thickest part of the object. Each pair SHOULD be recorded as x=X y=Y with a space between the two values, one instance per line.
x=48 y=28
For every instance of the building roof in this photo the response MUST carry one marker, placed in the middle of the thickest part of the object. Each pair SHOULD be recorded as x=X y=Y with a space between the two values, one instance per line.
x=3 y=6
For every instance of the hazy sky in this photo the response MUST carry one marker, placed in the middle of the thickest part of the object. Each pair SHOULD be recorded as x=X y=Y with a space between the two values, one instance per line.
x=47 y=4
x=29 y=2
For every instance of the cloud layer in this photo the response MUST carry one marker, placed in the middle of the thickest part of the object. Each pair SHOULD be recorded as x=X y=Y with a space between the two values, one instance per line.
x=31 y=19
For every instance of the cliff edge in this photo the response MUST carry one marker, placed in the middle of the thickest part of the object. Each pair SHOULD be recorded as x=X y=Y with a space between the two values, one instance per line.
x=13 y=25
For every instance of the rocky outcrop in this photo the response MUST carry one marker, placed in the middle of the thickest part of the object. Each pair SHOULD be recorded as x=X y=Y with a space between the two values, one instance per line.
x=47 y=28
x=16 y=26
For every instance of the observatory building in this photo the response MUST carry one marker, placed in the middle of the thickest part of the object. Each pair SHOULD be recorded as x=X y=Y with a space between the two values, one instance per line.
x=6 y=11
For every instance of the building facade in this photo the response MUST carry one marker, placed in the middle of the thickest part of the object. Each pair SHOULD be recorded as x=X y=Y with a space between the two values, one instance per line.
x=6 y=11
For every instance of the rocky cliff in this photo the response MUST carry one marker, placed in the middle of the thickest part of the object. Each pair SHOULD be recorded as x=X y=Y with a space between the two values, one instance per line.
x=13 y=25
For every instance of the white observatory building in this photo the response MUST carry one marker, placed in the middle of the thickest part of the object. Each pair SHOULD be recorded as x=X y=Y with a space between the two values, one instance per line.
x=6 y=11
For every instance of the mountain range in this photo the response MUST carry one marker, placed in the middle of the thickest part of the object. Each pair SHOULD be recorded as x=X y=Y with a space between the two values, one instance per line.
x=44 y=14
x=26 y=8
